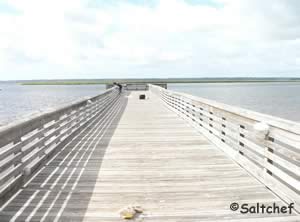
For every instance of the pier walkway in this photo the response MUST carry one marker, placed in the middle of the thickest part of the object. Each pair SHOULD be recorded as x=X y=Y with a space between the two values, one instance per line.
x=139 y=152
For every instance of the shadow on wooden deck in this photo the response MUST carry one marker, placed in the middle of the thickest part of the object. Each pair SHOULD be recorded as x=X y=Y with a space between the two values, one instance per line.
x=62 y=188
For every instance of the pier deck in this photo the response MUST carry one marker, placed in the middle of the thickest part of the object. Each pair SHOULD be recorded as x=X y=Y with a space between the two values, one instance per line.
x=140 y=153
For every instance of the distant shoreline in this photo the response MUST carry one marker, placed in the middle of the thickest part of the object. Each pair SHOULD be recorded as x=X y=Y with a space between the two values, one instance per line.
x=101 y=82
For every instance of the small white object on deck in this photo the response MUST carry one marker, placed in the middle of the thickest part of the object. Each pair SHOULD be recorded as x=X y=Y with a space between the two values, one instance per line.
x=261 y=130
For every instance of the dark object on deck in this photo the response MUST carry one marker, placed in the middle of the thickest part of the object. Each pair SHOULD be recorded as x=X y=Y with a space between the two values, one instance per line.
x=119 y=85
x=142 y=96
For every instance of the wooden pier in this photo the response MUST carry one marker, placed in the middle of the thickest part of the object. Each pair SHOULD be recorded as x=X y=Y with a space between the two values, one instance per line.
x=179 y=157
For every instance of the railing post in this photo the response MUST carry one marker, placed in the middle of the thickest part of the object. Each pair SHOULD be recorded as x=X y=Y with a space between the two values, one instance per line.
x=261 y=132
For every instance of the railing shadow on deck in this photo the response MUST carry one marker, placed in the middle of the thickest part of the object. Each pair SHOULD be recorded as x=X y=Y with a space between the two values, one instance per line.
x=61 y=190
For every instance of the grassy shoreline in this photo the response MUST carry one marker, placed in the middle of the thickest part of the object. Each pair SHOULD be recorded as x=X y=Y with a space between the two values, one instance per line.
x=101 y=82
x=63 y=83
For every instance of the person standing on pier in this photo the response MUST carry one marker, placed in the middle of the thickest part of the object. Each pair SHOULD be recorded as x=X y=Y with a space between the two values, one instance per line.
x=119 y=85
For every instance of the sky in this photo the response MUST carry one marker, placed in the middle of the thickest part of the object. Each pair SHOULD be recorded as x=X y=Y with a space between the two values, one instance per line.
x=62 y=39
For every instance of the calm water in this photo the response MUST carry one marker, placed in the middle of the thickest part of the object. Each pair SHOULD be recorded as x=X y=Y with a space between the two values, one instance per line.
x=277 y=99
x=17 y=101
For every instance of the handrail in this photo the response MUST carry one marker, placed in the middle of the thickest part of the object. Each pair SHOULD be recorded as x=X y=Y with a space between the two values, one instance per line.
x=24 y=146
x=268 y=147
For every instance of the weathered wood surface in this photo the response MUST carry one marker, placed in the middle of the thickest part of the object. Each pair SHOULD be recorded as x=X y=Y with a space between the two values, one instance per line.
x=139 y=153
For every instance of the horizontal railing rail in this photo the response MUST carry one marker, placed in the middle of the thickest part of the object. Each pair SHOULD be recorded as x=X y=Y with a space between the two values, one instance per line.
x=268 y=147
x=25 y=145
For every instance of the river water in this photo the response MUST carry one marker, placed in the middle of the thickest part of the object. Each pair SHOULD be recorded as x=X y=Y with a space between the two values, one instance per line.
x=278 y=99
x=19 y=101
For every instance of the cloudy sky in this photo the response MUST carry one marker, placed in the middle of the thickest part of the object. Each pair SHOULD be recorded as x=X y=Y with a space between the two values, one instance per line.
x=44 y=39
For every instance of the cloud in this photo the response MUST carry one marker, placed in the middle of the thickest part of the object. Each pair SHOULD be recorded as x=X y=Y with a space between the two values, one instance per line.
x=158 y=38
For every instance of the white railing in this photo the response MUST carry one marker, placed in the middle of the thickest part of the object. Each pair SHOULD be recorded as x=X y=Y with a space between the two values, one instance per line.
x=26 y=145
x=266 y=146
